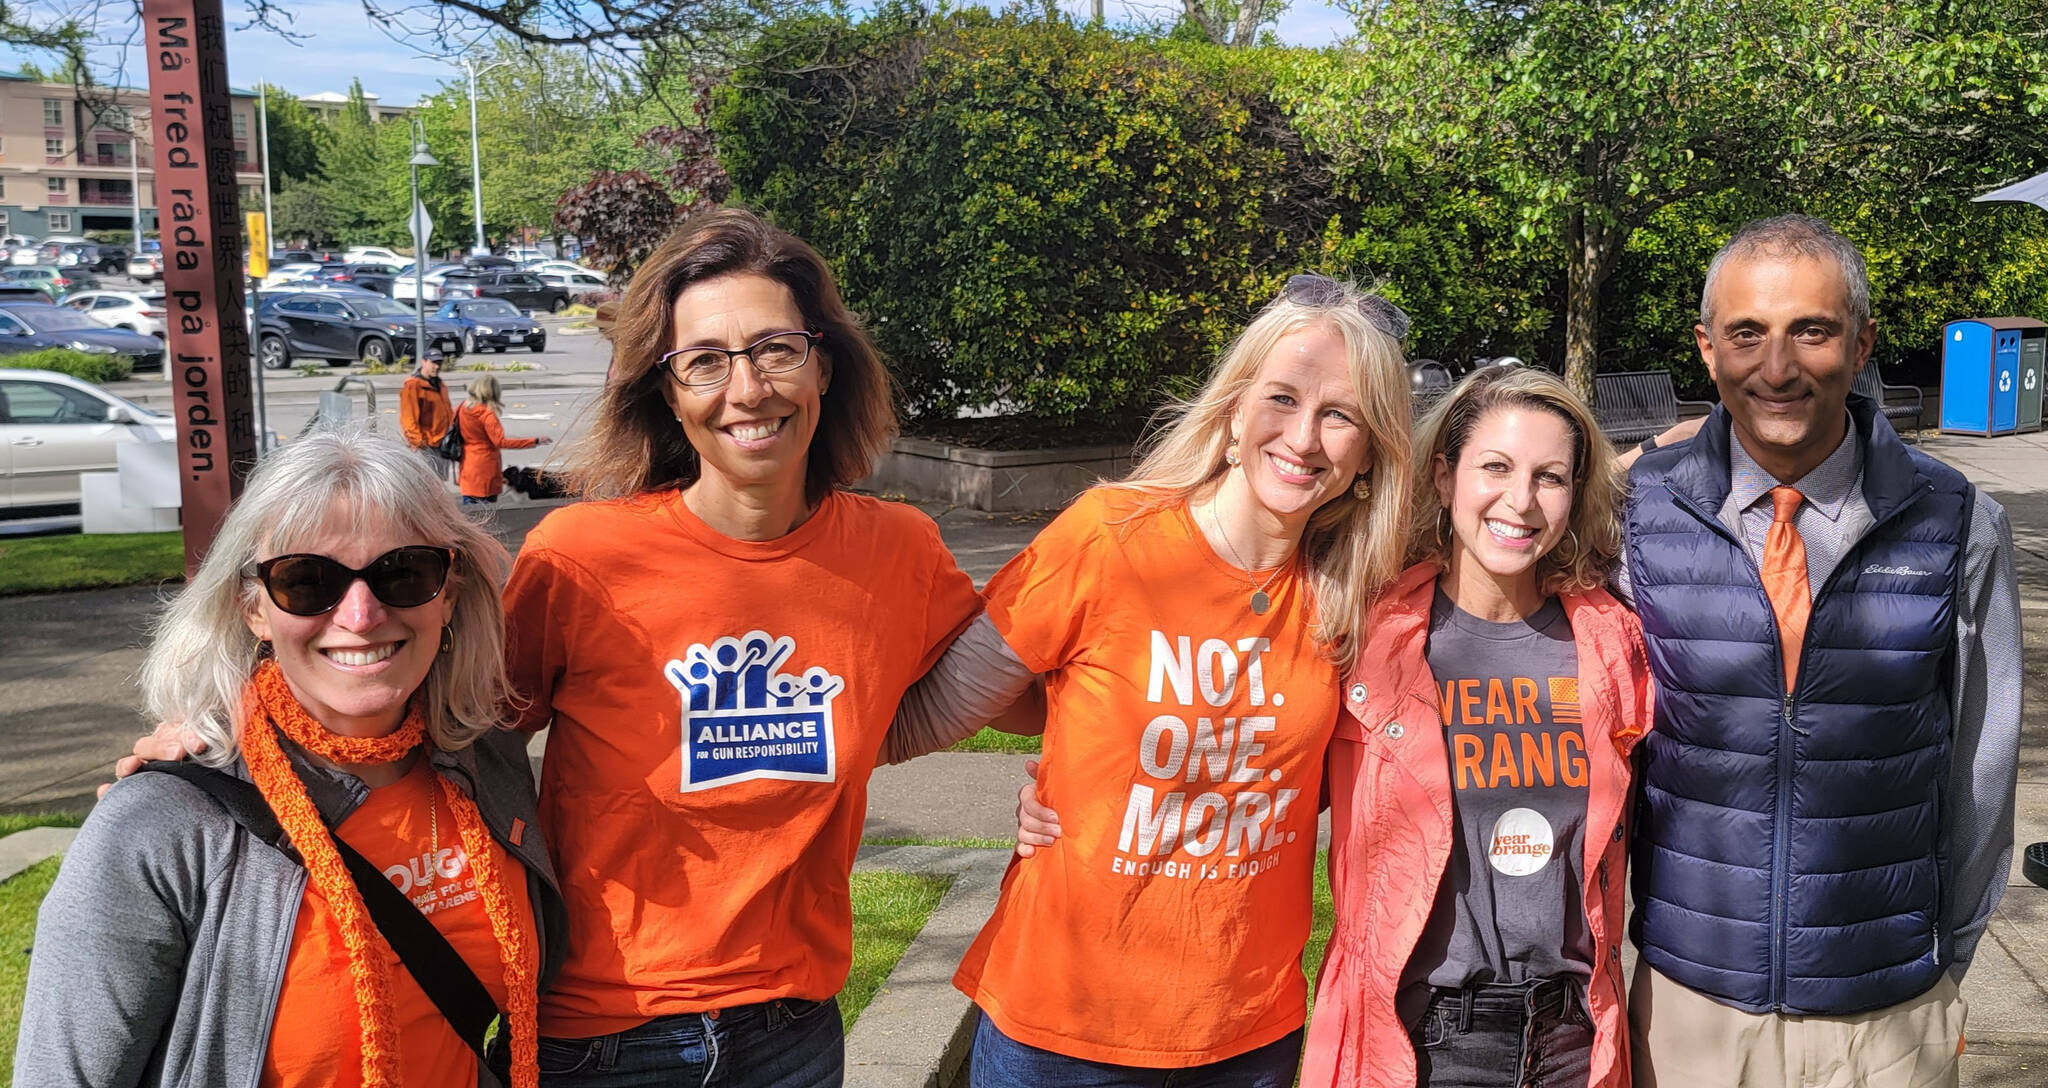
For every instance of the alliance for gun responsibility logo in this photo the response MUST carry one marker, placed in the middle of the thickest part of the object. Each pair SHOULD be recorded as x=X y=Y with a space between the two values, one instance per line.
x=745 y=719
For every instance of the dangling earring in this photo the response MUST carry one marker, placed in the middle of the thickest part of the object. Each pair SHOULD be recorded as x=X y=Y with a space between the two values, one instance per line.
x=263 y=649
x=447 y=638
x=1361 y=487
x=1443 y=528
x=1230 y=454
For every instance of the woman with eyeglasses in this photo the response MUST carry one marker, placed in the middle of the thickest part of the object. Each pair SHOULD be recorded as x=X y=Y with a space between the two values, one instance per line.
x=1187 y=624
x=1480 y=774
x=718 y=645
x=257 y=917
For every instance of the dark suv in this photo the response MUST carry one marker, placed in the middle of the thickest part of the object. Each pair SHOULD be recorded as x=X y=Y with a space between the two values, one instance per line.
x=522 y=289
x=343 y=328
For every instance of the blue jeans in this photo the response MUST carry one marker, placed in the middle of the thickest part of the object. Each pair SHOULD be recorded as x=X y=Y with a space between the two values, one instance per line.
x=786 y=1043
x=478 y=500
x=999 y=1061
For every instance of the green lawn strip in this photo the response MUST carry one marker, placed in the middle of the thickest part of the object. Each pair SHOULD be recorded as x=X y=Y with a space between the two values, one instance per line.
x=912 y=840
x=888 y=911
x=995 y=740
x=1319 y=931
x=19 y=898
x=11 y=822
x=43 y=563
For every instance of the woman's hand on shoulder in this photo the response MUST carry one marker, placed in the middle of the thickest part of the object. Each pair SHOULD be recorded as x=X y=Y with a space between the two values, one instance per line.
x=1037 y=825
x=169 y=741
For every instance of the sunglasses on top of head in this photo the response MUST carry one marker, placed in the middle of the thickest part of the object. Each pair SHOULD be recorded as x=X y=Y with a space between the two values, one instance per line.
x=303 y=584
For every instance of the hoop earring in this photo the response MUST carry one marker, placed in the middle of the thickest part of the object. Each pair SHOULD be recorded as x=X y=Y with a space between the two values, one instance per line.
x=1361 y=487
x=1443 y=529
x=1230 y=456
x=447 y=638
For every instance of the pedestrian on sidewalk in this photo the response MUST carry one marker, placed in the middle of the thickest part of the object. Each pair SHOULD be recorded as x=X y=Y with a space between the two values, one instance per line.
x=1188 y=623
x=724 y=592
x=424 y=413
x=481 y=478
x=1827 y=802
x=1480 y=777
x=340 y=655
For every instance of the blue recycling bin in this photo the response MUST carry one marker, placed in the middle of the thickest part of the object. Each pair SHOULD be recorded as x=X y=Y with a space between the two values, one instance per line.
x=1985 y=364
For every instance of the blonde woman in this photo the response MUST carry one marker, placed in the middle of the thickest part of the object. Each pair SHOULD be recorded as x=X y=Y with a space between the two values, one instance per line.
x=1188 y=624
x=482 y=478
x=340 y=654
x=1480 y=772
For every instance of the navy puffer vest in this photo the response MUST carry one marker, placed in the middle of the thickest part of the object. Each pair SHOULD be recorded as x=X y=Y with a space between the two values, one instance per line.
x=1788 y=848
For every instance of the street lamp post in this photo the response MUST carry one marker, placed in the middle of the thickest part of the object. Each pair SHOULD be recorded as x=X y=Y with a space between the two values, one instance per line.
x=476 y=162
x=421 y=229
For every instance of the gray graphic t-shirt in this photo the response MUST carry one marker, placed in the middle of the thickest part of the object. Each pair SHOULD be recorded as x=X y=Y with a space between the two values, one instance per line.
x=1509 y=908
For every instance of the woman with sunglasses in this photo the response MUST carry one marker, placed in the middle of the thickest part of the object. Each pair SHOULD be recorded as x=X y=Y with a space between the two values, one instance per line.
x=340 y=653
x=1187 y=623
x=1480 y=773
x=718 y=645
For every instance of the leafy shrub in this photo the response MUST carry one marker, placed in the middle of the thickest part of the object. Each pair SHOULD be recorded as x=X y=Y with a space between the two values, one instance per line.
x=1060 y=220
x=98 y=369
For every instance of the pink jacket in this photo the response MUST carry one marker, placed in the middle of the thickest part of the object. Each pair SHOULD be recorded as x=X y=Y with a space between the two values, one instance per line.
x=1390 y=812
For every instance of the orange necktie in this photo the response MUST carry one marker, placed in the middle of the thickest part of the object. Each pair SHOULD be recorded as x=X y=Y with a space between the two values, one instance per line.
x=1784 y=574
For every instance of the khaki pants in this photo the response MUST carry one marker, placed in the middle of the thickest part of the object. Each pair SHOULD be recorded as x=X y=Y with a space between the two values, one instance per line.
x=1681 y=1039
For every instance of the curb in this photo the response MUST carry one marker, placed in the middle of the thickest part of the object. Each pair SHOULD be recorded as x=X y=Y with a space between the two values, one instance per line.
x=917 y=1030
x=25 y=848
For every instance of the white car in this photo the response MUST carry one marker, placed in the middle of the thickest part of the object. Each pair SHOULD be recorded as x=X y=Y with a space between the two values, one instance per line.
x=371 y=255
x=575 y=283
x=121 y=310
x=403 y=286
x=524 y=254
x=289 y=273
x=146 y=266
x=567 y=268
x=53 y=427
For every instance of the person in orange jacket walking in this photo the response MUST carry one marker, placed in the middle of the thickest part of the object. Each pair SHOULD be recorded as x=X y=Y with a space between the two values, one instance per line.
x=424 y=414
x=1478 y=780
x=481 y=476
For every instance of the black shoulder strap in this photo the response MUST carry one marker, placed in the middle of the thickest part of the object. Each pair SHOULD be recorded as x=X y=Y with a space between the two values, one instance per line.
x=440 y=970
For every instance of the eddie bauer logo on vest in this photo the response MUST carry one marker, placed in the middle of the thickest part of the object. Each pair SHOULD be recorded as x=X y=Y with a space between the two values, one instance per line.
x=1876 y=568
x=1234 y=827
x=743 y=720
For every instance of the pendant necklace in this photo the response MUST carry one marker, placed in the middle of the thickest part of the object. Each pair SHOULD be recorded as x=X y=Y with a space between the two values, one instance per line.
x=1260 y=601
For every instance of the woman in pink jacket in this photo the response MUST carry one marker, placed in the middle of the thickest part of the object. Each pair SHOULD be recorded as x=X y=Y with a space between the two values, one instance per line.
x=1479 y=780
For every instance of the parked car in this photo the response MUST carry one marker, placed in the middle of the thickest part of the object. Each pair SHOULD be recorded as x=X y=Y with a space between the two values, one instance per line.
x=492 y=323
x=122 y=310
x=146 y=266
x=53 y=427
x=281 y=274
x=342 y=329
x=402 y=286
x=486 y=261
x=372 y=255
x=522 y=289
x=523 y=255
x=564 y=267
x=33 y=326
x=54 y=282
x=370 y=277
x=576 y=283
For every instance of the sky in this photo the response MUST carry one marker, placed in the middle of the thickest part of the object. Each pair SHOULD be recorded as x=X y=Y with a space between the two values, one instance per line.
x=341 y=43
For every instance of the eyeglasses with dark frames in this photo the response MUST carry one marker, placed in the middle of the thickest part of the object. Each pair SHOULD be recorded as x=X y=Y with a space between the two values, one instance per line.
x=705 y=366
x=304 y=584
x=1311 y=289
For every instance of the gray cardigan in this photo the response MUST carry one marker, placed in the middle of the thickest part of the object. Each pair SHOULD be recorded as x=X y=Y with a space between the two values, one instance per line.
x=161 y=948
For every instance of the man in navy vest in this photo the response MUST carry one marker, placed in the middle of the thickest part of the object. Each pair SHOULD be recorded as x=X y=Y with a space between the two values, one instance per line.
x=1825 y=822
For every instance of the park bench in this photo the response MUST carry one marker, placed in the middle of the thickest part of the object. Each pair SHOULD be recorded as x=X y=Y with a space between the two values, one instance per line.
x=1870 y=383
x=1633 y=405
x=1428 y=381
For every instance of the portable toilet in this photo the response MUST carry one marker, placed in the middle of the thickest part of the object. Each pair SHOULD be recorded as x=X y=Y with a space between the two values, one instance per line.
x=1991 y=375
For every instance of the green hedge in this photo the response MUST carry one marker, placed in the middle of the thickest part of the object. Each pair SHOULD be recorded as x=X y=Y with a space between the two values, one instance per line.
x=98 y=369
x=1054 y=219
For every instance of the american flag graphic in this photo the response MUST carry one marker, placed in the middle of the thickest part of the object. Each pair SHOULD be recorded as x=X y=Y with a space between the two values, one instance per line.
x=1564 y=700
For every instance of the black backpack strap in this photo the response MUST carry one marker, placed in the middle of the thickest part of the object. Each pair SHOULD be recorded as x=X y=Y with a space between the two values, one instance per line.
x=441 y=971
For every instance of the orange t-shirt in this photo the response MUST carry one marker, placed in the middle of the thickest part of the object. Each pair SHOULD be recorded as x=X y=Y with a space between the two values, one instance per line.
x=1184 y=748
x=718 y=706
x=316 y=1038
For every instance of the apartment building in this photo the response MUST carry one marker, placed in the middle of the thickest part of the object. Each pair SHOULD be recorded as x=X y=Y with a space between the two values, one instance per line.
x=327 y=105
x=68 y=164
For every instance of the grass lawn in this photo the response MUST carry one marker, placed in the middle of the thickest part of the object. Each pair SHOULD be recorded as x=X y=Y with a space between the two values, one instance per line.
x=19 y=898
x=11 y=822
x=908 y=840
x=76 y=561
x=1319 y=931
x=994 y=740
x=888 y=911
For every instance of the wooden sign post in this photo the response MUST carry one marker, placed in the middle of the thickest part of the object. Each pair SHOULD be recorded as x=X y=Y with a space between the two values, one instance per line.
x=199 y=219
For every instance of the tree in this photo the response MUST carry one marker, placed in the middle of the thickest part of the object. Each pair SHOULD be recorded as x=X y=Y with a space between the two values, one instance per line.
x=302 y=213
x=1232 y=22
x=1591 y=116
x=295 y=135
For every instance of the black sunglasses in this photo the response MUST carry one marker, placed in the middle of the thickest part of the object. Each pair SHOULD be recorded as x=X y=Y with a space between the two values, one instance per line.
x=1316 y=290
x=311 y=585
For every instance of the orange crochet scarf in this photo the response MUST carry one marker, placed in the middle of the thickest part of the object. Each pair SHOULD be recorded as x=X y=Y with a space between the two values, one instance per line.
x=269 y=705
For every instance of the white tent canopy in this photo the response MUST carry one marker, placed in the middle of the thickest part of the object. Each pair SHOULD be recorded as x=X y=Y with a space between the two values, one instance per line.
x=2033 y=191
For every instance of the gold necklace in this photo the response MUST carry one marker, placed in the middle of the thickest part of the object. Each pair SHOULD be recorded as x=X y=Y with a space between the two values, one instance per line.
x=1259 y=601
